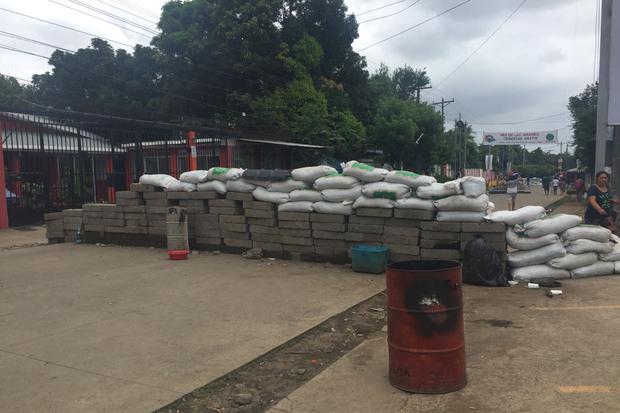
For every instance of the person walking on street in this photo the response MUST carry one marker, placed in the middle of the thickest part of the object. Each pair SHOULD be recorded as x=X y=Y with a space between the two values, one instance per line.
x=555 y=183
x=512 y=189
x=545 y=184
x=562 y=185
x=580 y=186
x=599 y=210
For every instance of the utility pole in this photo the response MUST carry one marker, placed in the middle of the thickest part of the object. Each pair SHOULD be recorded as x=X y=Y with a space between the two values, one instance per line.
x=602 y=134
x=417 y=89
x=443 y=104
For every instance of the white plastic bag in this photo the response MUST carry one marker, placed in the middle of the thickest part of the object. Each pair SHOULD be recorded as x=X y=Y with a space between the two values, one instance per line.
x=261 y=194
x=219 y=173
x=415 y=203
x=363 y=172
x=312 y=173
x=386 y=190
x=463 y=203
x=341 y=195
x=591 y=232
x=473 y=186
x=159 y=180
x=437 y=190
x=537 y=256
x=523 y=243
x=613 y=255
x=300 y=206
x=335 y=181
x=218 y=186
x=539 y=271
x=572 y=261
x=365 y=202
x=553 y=224
x=324 y=207
x=305 y=195
x=580 y=246
x=460 y=216
x=519 y=216
x=194 y=177
x=594 y=270
x=409 y=178
x=179 y=186
x=239 y=185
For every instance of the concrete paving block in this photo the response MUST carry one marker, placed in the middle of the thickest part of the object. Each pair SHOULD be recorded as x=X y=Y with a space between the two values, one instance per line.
x=72 y=213
x=136 y=209
x=483 y=227
x=234 y=235
x=136 y=222
x=207 y=232
x=294 y=224
x=178 y=195
x=156 y=218
x=93 y=215
x=267 y=246
x=127 y=195
x=113 y=215
x=135 y=230
x=406 y=231
x=157 y=203
x=401 y=222
x=155 y=195
x=52 y=216
x=129 y=202
x=54 y=225
x=226 y=226
x=225 y=203
x=371 y=229
x=239 y=196
x=443 y=254
x=375 y=212
x=447 y=236
x=403 y=249
x=330 y=243
x=363 y=220
x=258 y=229
x=136 y=187
x=332 y=235
x=309 y=249
x=204 y=195
x=208 y=240
x=114 y=222
x=331 y=218
x=207 y=217
x=441 y=244
x=225 y=211
x=400 y=239
x=414 y=214
x=294 y=216
x=333 y=255
x=259 y=205
x=93 y=221
x=290 y=232
x=157 y=230
x=92 y=208
x=396 y=257
x=296 y=240
x=495 y=237
x=73 y=220
x=192 y=203
x=264 y=222
x=361 y=237
x=93 y=227
x=329 y=226
x=115 y=229
x=271 y=238
x=239 y=243
x=135 y=216
x=441 y=226
x=111 y=207
x=232 y=219
x=260 y=213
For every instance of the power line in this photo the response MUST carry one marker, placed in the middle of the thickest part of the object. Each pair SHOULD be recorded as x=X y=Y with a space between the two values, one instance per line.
x=413 y=27
x=521 y=121
x=114 y=16
x=483 y=43
x=13 y=49
x=38 y=42
x=391 y=14
x=136 y=7
x=125 y=11
x=379 y=8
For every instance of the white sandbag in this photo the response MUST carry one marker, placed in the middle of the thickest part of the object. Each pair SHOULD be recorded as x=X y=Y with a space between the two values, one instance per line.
x=286 y=186
x=219 y=173
x=436 y=190
x=537 y=256
x=363 y=172
x=473 y=186
x=594 y=270
x=312 y=173
x=159 y=180
x=460 y=216
x=257 y=182
x=305 y=195
x=194 y=177
x=239 y=185
x=580 y=246
x=415 y=203
x=178 y=186
x=553 y=224
x=218 y=186
x=538 y=271
x=519 y=216
x=616 y=267
x=591 y=232
x=341 y=195
x=523 y=243
x=463 y=203
x=490 y=208
x=299 y=206
x=324 y=207
x=386 y=190
x=261 y=194
x=572 y=261
x=365 y=202
x=409 y=178
x=335 y=181
x=613 y=255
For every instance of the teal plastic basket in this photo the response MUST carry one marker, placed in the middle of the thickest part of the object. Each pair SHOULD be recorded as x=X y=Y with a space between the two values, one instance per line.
x=369 y=258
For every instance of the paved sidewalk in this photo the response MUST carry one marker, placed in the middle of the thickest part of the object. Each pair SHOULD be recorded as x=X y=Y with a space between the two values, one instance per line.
x=22 y=236
x=536 y=197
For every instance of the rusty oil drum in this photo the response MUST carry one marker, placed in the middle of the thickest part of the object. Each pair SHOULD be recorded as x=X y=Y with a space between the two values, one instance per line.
x=426 y=339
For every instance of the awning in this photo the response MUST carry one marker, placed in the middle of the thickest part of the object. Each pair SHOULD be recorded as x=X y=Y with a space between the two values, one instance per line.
x=282 y=143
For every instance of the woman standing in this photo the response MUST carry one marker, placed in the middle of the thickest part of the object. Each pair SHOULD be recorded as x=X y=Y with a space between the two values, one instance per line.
x=600 y=209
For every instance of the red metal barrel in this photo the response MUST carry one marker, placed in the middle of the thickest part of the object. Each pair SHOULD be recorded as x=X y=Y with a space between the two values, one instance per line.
x=426 y=339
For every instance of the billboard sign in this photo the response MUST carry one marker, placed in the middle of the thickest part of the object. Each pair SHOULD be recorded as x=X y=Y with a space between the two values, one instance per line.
x=520 y=138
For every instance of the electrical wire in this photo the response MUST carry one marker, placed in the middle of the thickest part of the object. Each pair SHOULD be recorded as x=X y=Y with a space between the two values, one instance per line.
x=136 y=7
x=379 y=8
x=13 y=49
x=391 y=14
x=128 y=12
x=522 y=121
x=413 y=27
x=38 y=42
x=114 y=16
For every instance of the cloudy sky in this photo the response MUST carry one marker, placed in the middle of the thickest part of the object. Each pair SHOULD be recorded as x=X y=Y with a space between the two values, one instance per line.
x=542 y=55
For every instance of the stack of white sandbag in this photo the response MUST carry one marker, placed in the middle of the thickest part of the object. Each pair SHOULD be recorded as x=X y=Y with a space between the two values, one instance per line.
x=462 y=200
x=169 y=183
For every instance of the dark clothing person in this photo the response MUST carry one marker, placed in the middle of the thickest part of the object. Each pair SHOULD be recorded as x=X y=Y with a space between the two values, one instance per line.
x=580 y=186
x=545 y=184
x=604 y=200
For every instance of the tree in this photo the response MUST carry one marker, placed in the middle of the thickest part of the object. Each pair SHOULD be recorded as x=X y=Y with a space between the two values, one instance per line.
x=583 y=110
x=407 y=81
x=10 y=90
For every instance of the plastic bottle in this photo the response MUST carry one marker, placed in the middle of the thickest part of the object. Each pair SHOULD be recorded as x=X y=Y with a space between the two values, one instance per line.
x=78 y=234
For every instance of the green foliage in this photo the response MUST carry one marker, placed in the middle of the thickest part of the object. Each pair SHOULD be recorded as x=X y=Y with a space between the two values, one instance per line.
x=406 y=81
x=10 y=89
x=583 y=110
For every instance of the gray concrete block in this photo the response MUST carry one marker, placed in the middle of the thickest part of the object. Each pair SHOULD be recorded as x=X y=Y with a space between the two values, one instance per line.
x=155 y=195
x=157 y=203
x=447 y=236
x=374 y=212
x=129 y=202
x=73 y=220
x=483 y=227
x=495 y=237
x=206 y=217
x=259 y=205
x=329 y=226
x=208 y=240
x=135 y=230
x=497 y=246
x=441 y=226
x=92 y=208
x=331 y=218
x=180 y=195
x=115 y=230
x=72 y=213
x=113 y=215
x=93 y=227
x=260 y=213
x=328 y=235
x=401 y=222
x=271 y=238
x=406 y=231
x=239 y=243
x=192 y=203
x=157 y=230
x=225 y=226
x=239 y=196
x=136 y=187
x=414 y=214
x=135 y=216
x=332 y=254
x=156 y=217
x=331 y=243
x=225 y=211
x=308 y=249
x=204 y=195
x=137 y=209
x=234 y=235
x=361 y=237
x=396 y=257
x=232 y=219
x=111 y=207
x=400 y=239
x=127 y=195
x=267 y=246
x=225 y=203
x=441 y=254
x=258 y=229
x=440 y=244
x=363 y=220
x=371 y=229
x=403 y=249
x=52 y=216
x=54 y=234
x=156 y=209
x=294 y=224
x=54 y=225
x=114 y=222
x=296 y=240
x=294 y=216
x=93 y=221
x=136 y=222
x=306 y=233
x=265 y=222
x=207 y=232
